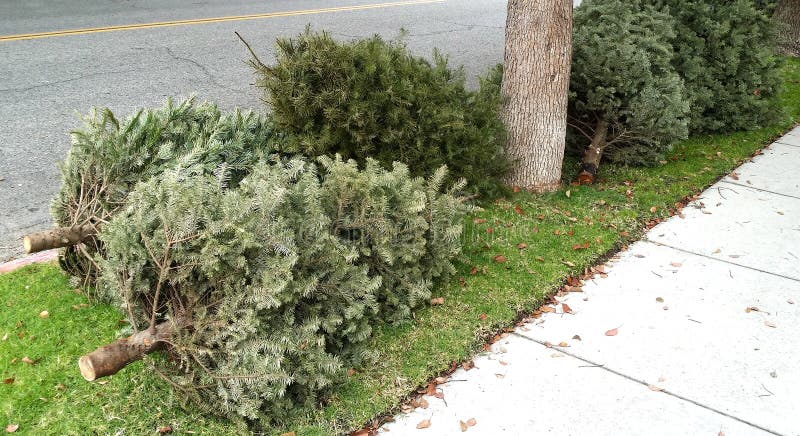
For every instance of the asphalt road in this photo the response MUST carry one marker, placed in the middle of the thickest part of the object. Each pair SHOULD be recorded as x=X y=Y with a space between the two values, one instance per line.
x=46 y=82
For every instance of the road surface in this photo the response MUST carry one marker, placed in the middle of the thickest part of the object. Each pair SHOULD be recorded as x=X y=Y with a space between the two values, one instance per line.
x=47 y=80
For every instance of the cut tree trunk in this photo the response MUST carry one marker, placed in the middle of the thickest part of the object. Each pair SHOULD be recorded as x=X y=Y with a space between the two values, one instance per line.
x=538 y=53
x=110 y=359
x=58 y=238
x=593 y=153
x=787 y=15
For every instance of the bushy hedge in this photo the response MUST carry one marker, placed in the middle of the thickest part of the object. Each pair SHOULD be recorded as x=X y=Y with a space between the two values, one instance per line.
x=274 y=286
x=108 y=158
x=371 y=98
x=725 y=53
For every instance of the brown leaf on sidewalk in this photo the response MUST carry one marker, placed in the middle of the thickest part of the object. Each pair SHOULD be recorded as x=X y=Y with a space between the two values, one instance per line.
x=463 y=426
x=565 y=307
x=751 y=309
x=769 y=323
x=425 y=423
x=612 y=332
x=471 y=422
x=466 y=366
x=431 y=390
x=548 y=309
x=659 y=299
x=577 y=338
x=676 y=264
x=655 y=388
x=790 y=301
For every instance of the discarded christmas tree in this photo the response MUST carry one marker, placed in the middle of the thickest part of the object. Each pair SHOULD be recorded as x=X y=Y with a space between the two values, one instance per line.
x=626 y=99
x=108 y=158
x=261 y=295
x=373 y=98
x=725 y=51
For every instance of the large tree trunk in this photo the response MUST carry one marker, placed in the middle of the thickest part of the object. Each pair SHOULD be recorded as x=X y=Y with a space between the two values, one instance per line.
x=593 y=153
x=110 y=359
x=787 y=15
x=58 y=238
x=538 y=53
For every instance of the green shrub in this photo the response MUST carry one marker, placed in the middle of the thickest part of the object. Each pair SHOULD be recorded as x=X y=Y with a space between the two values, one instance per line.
x=372 y=98
x=108 y=158
x=626 y=100
x=725 y=52
x=275 y=285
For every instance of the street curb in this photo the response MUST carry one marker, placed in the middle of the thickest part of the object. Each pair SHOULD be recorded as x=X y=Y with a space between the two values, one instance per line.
x=44 y=256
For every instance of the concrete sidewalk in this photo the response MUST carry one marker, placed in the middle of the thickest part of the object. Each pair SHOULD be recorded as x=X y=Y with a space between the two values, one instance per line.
x=707 y=317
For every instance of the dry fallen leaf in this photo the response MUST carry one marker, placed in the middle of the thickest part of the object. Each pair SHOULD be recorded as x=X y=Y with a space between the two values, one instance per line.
x=676 y=264
x=653 y=209
x=612 y=332
x=423 y=403
x=577 y=338
x=165 y=429
x=8 y=381
x=556 y=355
x=522 y=246
x=28 y=360
x=566 y=308
x=548 y=309
x=437 y=301
x=659 y=299
x=11 y=428
x=425 y=423
x=563 y=344
x=439 y=395
x=431 y=389
x=482 y=317
x=471 y=422
x=440 y=380
x=498 y=375
x=44 y=314
x=351 y=372
x=518 y=210
x=463 y=425
x=790 y=301
x=500 y=259
x=655 y=388
x=770 y=324
x=478 y=220
x=568 y=193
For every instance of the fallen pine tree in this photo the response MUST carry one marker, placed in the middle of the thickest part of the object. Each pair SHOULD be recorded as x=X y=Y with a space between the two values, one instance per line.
x=108 y=158
x=262 y=295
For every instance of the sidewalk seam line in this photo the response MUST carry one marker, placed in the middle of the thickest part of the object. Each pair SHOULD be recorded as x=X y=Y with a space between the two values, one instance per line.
x=759 y=189
x=783 y=143
x=720 y=260
x=672 y=394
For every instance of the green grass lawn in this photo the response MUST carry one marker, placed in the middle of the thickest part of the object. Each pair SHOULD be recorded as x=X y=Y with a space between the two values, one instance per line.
x=563 y=232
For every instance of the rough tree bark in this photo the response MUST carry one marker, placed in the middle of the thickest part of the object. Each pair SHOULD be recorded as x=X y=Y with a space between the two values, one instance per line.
x=110 y=359
x=58 y=238
x=538 y=53
x=787 y=15
x=594 y=153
